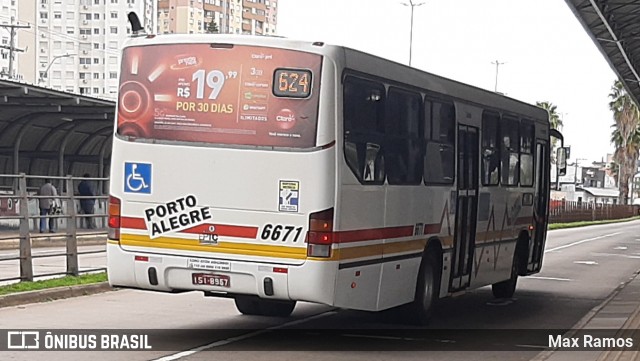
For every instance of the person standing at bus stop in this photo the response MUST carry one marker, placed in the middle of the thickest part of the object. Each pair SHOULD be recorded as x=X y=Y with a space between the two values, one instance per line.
x=87 y=205
x=46 y=205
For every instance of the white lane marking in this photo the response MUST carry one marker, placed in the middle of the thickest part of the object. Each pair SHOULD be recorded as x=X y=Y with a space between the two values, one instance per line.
x=378 y=337
x=590 y=263
x=532 y=346
x=580 y=242
x=227 y=341
x=549 y=278
x=637 y=255
x=621 y=247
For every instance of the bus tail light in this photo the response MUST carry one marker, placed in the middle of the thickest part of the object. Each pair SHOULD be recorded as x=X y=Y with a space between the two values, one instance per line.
x=320 y=236
x=114 y=218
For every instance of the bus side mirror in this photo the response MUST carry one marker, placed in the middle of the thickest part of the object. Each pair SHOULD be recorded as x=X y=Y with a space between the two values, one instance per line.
x=562 y=161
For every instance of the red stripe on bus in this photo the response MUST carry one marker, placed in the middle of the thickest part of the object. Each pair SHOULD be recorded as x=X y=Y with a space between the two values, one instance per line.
x=132 y=223
x=373 y=234
x=225 y=230
x=433 y=228
x=220 y=229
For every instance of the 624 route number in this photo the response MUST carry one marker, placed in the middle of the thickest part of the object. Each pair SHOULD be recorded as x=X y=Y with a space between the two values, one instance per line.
x=278 y=232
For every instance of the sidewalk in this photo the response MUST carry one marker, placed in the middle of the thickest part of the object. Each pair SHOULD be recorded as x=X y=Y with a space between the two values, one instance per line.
x=620 y=311
x=10 y=239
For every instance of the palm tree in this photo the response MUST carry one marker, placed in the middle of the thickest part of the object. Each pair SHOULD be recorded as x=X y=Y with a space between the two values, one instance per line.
x=555 y=123
x=625 y=136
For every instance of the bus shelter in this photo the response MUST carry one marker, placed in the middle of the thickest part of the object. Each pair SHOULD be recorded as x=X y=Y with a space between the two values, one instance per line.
x=614 y=26
x=53 y=133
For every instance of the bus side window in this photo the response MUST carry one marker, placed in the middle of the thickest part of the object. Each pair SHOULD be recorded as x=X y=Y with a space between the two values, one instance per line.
x=526 y=153
x=403 y=148
x=509 y=151
x=440 y=123
x=490 y=149
x=363 y=114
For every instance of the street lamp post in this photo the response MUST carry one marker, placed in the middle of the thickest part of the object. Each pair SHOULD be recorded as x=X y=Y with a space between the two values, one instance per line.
x=46 y=71
x=413 y=5
x=497 y=63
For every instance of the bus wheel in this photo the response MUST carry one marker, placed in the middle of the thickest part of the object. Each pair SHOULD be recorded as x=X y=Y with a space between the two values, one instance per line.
x=427 y=290
x=252 y=305
x=277 y=308
x=506 y=289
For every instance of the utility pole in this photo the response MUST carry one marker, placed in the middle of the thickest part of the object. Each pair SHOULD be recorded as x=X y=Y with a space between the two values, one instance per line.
x=575 y=173
x=12 y=30
x=497 y=63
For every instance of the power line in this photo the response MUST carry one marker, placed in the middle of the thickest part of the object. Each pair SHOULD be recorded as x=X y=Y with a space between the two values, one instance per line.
x=69 y=37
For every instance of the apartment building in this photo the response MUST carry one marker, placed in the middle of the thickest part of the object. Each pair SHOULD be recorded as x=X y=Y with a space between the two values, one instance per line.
x=77 y=42
x=74 y=45
x=253 y=17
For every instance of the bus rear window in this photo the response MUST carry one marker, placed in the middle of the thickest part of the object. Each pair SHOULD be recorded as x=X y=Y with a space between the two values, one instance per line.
x=238 y=95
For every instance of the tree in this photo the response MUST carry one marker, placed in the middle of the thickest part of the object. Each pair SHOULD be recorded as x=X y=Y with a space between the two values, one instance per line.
x=555 y=123
x=625 y=136
x=212 y=28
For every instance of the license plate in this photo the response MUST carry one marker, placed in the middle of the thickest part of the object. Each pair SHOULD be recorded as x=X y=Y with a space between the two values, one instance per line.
x=209 y=279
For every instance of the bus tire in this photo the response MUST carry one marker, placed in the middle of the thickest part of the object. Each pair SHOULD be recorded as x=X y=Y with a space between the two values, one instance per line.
x=507 y=288
x=252 y=305
x=427 y=288
x=277 y=308
x=247 y=305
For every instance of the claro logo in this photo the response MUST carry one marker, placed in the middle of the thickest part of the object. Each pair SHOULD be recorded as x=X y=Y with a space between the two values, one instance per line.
x=286 y=119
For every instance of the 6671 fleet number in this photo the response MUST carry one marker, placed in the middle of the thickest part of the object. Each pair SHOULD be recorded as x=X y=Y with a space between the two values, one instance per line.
x=279 y=232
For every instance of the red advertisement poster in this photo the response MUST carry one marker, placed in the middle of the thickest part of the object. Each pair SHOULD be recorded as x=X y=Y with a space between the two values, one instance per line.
x=241 y=95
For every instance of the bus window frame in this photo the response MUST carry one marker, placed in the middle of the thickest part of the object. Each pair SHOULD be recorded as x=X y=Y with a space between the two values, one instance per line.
x=524 y=122
x=507 y=121
x=497 y=147
x=430 y=138
x=405 y=136
x=377 y=135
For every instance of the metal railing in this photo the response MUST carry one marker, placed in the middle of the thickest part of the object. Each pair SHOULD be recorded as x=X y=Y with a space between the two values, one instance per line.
x=561 y=211
x=20 y=215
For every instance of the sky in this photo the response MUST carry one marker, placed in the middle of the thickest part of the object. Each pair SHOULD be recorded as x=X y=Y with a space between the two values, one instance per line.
x=547 y=54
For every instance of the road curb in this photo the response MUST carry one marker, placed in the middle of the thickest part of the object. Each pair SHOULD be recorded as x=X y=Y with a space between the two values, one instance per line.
x=50 y=294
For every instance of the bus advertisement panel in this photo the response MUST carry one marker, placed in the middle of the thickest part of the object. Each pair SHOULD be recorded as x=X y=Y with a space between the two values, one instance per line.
x=219 y=93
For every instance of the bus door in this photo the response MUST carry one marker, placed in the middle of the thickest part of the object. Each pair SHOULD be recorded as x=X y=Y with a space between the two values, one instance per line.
x=541 y=206
x=466 y=208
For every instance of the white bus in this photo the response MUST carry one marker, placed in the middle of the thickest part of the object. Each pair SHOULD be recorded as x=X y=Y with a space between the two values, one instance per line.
x=272 y=171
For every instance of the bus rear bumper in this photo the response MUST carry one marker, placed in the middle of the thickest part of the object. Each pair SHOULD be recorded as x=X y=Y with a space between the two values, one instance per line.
x=311 y=281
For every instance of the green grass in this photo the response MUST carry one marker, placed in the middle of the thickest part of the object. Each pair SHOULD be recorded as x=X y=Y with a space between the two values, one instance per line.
x=54 y=282
x=589 y=223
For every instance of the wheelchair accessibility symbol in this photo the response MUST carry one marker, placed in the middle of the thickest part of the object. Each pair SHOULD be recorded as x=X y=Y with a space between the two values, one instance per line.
x=137 y=178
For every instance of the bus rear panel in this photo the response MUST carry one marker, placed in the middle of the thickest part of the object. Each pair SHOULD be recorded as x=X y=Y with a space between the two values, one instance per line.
x=213 y=183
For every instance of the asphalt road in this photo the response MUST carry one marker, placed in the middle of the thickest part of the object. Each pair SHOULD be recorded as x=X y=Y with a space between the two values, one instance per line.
x=582 y=267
